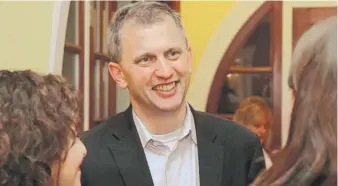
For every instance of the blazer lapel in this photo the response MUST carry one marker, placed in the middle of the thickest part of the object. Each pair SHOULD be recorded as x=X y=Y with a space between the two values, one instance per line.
x=210 y=154
x=128 y=153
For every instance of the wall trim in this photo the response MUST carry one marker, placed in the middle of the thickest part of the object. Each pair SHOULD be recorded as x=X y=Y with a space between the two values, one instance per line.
x=57 y=42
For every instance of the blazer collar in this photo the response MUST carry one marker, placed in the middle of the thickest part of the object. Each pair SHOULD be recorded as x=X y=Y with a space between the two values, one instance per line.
x=130 y=158
x=128 y=153
x=211 y=155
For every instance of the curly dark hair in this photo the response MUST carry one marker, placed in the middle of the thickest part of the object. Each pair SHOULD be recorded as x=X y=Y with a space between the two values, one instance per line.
x=38 y=118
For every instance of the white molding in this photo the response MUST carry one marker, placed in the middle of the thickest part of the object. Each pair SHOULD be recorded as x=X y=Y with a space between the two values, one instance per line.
x=57 y=41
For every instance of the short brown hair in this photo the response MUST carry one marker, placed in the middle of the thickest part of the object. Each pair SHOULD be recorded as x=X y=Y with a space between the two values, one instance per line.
x=143 y=13
x=38 y=115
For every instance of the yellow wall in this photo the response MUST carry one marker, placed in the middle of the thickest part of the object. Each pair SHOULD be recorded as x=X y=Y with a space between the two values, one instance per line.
x=201 y=19
x=217 y=44
x=25 y=35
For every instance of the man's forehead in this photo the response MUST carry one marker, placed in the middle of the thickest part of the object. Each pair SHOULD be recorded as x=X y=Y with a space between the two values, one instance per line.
x=132 y=30
x=136 y=23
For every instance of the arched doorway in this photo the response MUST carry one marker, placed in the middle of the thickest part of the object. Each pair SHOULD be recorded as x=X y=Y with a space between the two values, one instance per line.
x=259 y=40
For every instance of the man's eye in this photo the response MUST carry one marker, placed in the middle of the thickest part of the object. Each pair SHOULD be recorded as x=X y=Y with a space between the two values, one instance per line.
x=145 y=60
x=173 y=55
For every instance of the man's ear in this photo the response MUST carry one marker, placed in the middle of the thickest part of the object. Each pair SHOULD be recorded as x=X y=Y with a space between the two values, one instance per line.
x=116 y=73
x=190 y=59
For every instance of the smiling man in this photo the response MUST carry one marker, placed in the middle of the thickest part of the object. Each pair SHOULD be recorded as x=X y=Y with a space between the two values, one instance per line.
x=160 y=139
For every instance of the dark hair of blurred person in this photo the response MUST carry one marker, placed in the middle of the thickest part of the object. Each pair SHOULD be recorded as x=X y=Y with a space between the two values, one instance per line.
x=310 y=154
x=38 y=128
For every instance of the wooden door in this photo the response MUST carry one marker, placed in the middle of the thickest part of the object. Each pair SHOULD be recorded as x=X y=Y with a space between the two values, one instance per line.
x=304 y=18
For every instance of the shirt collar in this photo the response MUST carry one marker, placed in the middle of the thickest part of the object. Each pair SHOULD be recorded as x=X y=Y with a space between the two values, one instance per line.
x=188 y=127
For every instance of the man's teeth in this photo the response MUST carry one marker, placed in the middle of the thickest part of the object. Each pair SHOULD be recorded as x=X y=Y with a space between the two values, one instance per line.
x=167 y=87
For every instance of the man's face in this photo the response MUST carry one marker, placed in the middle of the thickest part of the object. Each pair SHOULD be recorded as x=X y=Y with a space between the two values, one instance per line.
x=155 y=66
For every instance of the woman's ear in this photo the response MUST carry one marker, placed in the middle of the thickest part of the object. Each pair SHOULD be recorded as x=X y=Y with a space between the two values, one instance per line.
x=117 y=74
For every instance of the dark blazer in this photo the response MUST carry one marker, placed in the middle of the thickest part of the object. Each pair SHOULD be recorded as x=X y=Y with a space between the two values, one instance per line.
x=227 y=153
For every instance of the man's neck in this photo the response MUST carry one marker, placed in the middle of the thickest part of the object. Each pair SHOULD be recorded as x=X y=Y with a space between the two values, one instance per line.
x=159 y=122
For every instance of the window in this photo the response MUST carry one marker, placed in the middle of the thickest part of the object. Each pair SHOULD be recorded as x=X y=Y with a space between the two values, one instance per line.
x=250 y=73
x=73 y=59
x=102 y=87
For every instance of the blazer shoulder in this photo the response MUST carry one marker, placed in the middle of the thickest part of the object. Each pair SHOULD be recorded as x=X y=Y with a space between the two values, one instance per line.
x=226 y=127
x=101 y=129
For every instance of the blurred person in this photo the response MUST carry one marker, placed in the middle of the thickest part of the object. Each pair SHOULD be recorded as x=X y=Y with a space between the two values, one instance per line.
x=310 y=154
x=160 y=139
x=255 y=114
x=38 y=127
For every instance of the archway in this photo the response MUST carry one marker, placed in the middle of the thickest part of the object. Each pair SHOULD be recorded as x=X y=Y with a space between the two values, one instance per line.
x=273 y=9
x=203 y=75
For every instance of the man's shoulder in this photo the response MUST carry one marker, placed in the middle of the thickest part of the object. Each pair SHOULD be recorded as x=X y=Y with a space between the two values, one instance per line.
x=102 y=129
x=225 y=127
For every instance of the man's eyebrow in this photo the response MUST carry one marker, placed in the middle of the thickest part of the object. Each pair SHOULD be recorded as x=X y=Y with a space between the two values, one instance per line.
x=142 y=55
x=173 y=48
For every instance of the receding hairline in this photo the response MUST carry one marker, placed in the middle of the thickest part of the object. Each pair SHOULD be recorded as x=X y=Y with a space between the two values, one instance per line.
x=141 y=13
x=131 y=22
x=161 y=18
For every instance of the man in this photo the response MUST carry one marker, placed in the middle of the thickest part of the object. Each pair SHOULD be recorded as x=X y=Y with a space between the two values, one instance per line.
x=160 y=139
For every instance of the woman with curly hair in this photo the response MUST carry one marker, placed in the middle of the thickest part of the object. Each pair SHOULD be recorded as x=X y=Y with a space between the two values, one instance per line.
x=310 y=154
x=38 y=128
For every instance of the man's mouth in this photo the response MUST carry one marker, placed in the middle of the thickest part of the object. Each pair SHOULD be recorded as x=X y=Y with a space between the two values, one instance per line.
x=165 y=87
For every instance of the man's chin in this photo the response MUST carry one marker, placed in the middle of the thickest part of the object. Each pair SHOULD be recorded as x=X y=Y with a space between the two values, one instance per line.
x=169 y=107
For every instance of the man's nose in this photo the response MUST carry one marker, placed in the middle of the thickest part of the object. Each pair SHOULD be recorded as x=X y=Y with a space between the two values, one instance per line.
x=164 y=69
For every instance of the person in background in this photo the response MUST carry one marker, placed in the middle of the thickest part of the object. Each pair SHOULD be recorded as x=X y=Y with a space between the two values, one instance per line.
x=255 y=114
x=38 y=128
x=310 y=154
x=160 y=139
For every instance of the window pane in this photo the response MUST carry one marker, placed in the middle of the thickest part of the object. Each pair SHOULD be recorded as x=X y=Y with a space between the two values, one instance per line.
x=70 y=68
x=238 y=86
x=97 y=89
x=105 y=24
x=73 y=23
x=256 y=51
x=97 y=30
x=105 y=90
